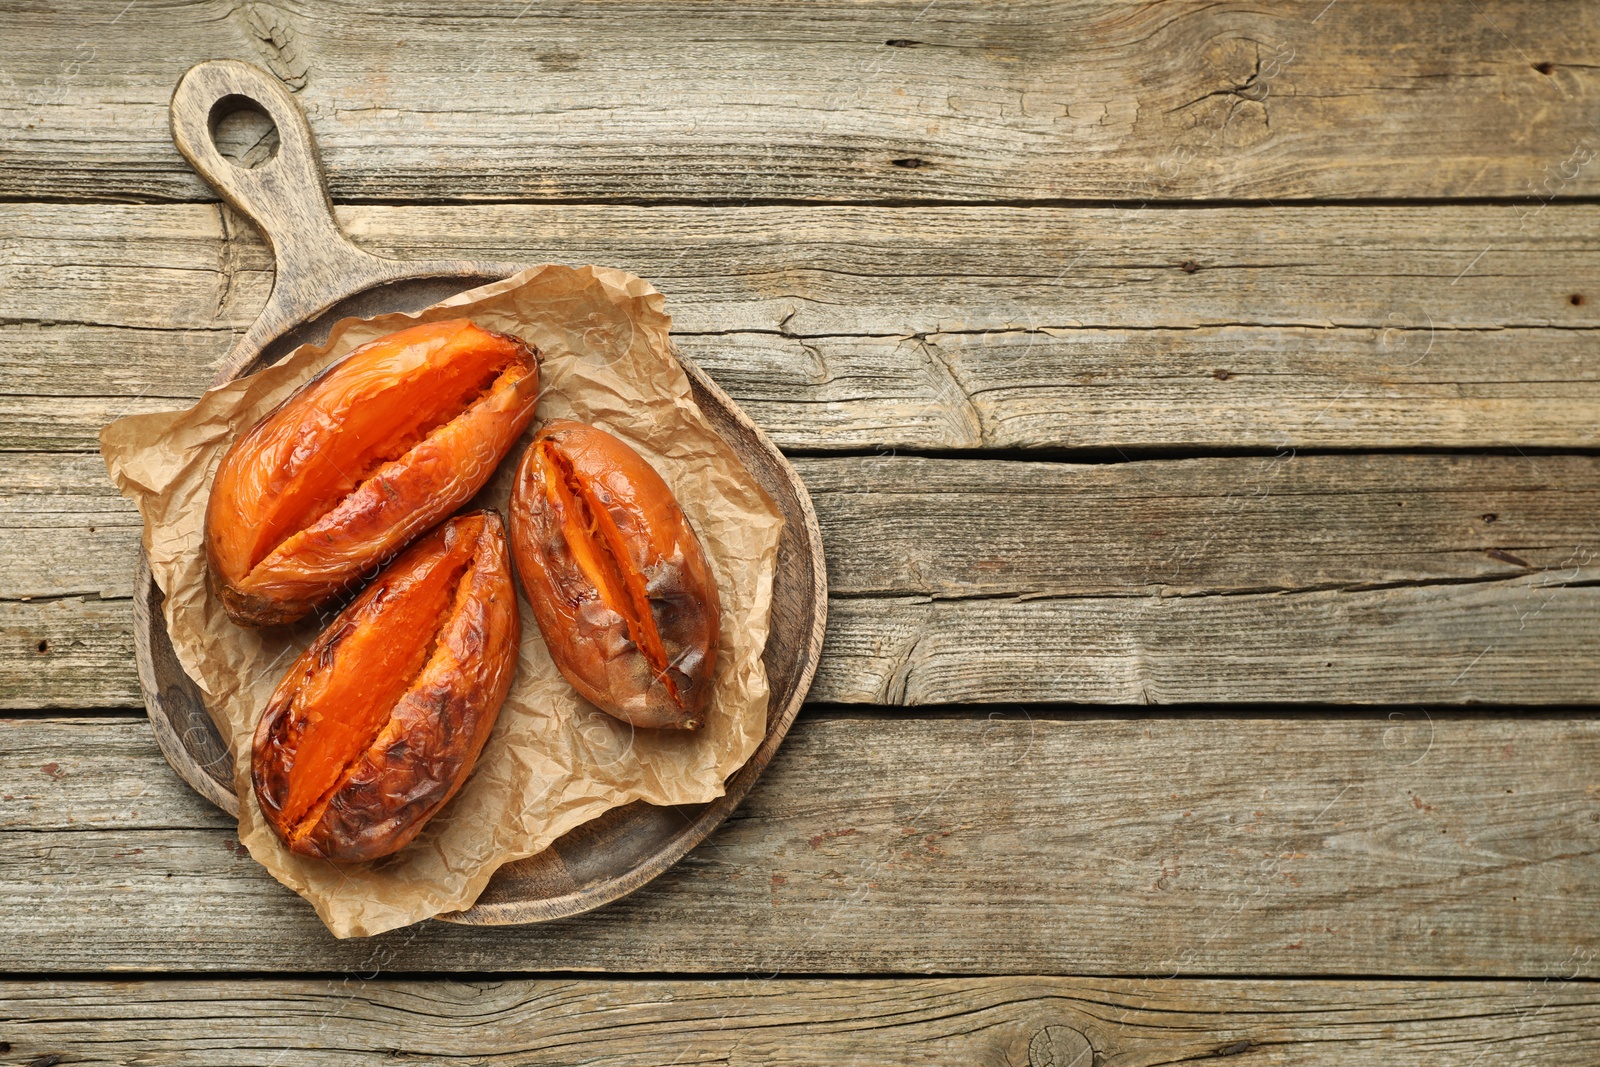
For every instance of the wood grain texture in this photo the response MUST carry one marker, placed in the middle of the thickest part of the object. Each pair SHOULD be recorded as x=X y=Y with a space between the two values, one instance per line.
x=1407 y=383
x=64 y=529
x=1089 y=388
x=1524 y=641
x=1520 y=641
x=892 y=272
x=962 y=527
x=923 y=328
x=975 y=528
x=71 y=652
x=1027 y=1022
x=1343 y=578
x=835 y=101
x=1401 y=843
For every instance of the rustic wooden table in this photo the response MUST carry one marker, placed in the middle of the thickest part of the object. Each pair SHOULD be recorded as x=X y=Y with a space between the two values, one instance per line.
x=1200 y=403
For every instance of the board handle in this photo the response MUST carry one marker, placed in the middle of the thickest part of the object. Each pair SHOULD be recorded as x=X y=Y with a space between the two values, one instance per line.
x=286 y=197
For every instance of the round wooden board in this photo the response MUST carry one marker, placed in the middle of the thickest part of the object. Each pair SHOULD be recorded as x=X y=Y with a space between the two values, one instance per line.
x=321 y=279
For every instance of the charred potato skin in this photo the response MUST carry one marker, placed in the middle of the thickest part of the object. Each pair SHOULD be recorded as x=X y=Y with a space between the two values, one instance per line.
x=401 y=500
x=426 y=748
x=590 y=642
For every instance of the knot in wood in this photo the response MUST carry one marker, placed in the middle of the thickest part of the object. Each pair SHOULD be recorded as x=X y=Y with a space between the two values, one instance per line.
x=1060 y=1046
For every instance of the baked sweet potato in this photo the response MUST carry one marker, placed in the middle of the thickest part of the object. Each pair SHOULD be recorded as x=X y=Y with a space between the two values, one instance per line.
x=617 y=579
x=379 y=722
x=364 y=458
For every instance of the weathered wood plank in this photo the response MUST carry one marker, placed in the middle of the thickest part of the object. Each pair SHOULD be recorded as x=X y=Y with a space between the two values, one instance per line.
x=965 y=101
x=868 y=270
x=955 y=527
x=64 y=530
x=944 y=328
x=1509 y=641
x=1515 y=641
x=1037 y=1022
x=67 y=652
x=93 y=773
x=1406 y=384
x=1207 y=387
x=1161 y=581
x=1393 y=843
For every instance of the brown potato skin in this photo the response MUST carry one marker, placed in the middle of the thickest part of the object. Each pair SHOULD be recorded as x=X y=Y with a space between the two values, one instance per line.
x=427 y=742
x=363 y=459
x=592 y=643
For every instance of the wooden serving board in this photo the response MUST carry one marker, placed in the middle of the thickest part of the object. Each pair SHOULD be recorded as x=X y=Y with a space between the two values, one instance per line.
x=322 y=278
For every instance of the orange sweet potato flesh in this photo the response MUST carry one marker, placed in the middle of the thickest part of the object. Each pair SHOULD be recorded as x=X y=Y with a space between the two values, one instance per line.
x=359 y=462
x=380 y=721
x=617 y=579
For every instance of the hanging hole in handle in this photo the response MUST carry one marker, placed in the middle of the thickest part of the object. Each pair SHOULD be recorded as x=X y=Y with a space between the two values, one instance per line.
x=244 y=134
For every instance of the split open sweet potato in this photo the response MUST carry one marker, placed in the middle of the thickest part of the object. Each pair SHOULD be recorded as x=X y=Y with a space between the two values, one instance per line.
x=617 y=578
x=363 y=459
x=379 y=722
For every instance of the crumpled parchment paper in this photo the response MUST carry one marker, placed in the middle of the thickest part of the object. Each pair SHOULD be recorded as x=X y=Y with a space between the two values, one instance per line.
x=553 y=761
